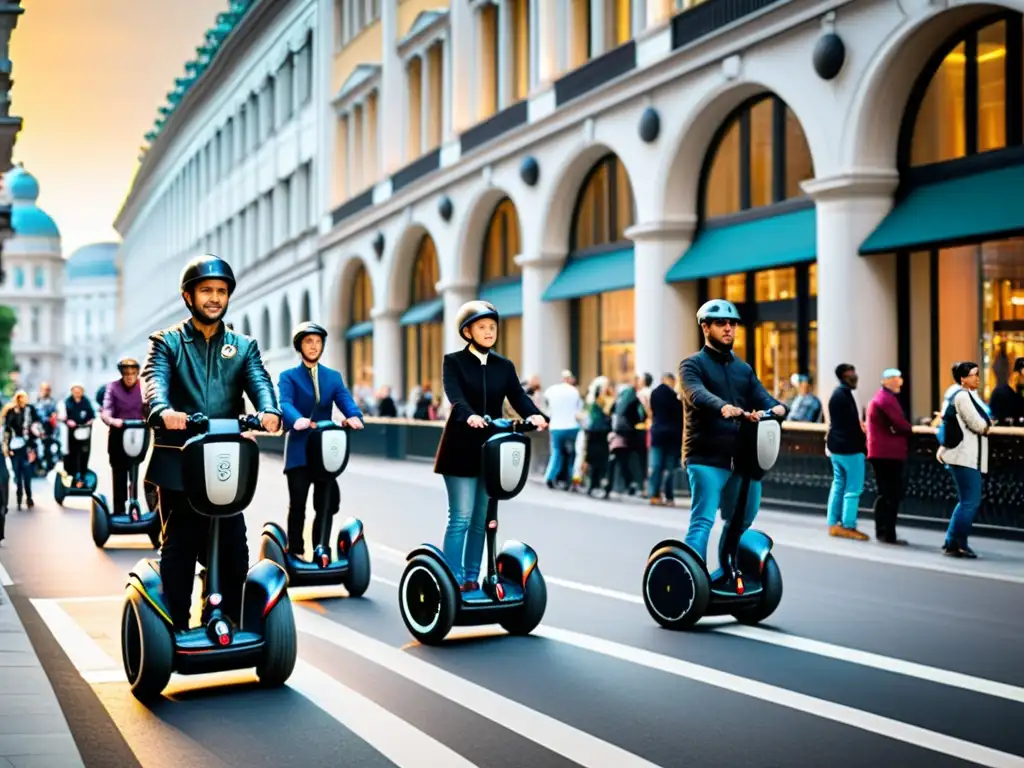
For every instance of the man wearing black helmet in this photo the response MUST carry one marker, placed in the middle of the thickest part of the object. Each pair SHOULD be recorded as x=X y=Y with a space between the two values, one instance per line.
x=121 y=400
x=200 y=366
x=309 y=392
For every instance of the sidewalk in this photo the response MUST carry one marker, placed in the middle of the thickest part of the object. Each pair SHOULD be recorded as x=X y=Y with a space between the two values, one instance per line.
x=33 y=730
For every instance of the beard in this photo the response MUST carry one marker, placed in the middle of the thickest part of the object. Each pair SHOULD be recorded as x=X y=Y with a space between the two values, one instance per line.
x=202 y=315
x=721 y=346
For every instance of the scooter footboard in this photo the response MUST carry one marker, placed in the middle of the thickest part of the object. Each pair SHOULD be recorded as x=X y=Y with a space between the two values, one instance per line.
x=265 y=584
x=348 y=534
x=753 y=550
x=516 y=562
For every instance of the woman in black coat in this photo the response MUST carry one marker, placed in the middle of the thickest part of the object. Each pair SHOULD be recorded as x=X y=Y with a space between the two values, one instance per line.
x=476 y=382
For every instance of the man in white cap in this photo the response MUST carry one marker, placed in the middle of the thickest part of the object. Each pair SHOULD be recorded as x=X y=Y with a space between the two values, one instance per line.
x=888 y=446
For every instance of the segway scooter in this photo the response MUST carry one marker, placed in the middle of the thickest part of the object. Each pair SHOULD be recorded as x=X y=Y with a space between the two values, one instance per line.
x=129 y=445
x=222 y=467
x=63 y=482
x=678 y=590
x=327 y=452
x=513 y=593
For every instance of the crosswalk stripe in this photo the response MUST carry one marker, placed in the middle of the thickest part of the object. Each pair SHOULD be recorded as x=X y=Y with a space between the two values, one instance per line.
x=403 y=744
x=828 y=710
x=571 y=743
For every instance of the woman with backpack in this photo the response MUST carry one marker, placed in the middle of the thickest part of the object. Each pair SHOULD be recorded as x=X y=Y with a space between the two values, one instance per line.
x=963 y=448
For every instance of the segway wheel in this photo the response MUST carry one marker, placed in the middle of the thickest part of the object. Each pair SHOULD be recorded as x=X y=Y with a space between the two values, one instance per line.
x=535 y=602
x=147 y=647
x=771 y=595
x=357 y=579
x=280 y=645
x=427 y=600
x=100 y=524
x=676 y=590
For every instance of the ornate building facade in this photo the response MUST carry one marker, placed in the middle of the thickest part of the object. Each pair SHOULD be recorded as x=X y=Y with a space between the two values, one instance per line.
x=90 y=294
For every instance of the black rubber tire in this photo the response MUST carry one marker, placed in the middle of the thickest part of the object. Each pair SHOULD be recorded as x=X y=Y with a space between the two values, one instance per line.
x=447 y=606
x=535 y=602
x=357 y=578
x=147 y=648
x=58 y=490
x=771 y=596
x=280 y=645
x=100 y=525
x=701 y=591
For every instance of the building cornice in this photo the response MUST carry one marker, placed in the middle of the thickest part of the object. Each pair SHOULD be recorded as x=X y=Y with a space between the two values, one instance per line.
x=230 y=55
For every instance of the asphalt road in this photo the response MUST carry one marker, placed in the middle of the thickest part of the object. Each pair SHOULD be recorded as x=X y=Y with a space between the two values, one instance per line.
x=875 y=657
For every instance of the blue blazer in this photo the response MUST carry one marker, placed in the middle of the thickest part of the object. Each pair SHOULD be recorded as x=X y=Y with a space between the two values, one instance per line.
x=295 y=388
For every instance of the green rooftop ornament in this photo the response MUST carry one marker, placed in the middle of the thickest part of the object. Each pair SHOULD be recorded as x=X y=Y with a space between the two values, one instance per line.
x=151 y=136
x=165 y=111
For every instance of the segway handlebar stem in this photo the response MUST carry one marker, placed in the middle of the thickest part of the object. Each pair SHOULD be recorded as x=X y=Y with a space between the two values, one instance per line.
x=509 y=425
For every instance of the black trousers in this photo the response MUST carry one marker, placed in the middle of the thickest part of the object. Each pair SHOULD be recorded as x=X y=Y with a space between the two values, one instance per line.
x=77 y=460
x=119 y=496
x=597 y=458
x=326 y=501
x=889 y=479
x=185 y=541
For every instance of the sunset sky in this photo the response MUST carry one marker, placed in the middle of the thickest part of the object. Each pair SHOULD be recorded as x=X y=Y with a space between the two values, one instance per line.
x=88 y=78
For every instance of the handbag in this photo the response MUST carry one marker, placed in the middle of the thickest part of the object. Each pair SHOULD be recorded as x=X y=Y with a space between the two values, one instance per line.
x=17 y=443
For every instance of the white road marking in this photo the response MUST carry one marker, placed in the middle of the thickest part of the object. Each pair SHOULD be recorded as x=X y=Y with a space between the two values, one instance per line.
x=400 y=742
x=855 y=718
x=84 y=652
x=571 y=743
x=5 y=577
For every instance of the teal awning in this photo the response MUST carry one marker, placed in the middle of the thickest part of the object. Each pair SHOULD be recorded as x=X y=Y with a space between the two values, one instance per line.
x=778 y=241
x=952 y=212
x=359 y=330
x=507 y=297
x=588 y=275
x=424 y=312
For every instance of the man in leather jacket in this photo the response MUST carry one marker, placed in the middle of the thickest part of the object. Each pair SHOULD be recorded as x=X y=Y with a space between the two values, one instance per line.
x=200 y=366
x=718 y=388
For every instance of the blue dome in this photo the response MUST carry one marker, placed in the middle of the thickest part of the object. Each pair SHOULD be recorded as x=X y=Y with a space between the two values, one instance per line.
x=96 y=260
x=27 y=219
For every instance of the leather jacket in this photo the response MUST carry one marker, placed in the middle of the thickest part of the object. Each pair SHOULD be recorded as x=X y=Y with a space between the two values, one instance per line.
x=184 y=372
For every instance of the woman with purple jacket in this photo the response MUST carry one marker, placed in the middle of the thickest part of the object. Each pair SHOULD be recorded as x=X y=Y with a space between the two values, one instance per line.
x=888 y=446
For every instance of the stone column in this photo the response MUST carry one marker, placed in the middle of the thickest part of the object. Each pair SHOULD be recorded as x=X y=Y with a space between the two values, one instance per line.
x=664 y=313
x=367 y=170
x=856 y=294
x=455 y=294
x=503 y=62
x=462 y=66
x=638 y=20
x=392 y=93
x=561 y=33
x=533 y=21
x=548 y=36
x=446 y=86
x=387 y=350
x=598 y=19
x=545 y=323
x=658 y=12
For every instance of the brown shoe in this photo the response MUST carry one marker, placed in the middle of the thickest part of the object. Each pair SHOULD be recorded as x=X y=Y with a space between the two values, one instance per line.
x=847 y=533
x=655 y=501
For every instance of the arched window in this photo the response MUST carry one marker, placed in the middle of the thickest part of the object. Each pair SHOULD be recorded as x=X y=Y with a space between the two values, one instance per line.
x=39 y=277
x=246 y=327
x=285 y=323
x=501 y=278
x=266 y=341
x=968 y=101
x=360 y=331
x=19 y=277
x=757 y=160
x=424 y=345
x=306 y=311
x=603 y=323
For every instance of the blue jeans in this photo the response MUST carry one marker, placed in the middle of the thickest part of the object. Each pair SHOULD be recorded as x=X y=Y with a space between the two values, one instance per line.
x=847 y=484
x=563 y=448
x=968 y=490
x=22 y=473
x=464 y=537
x=662 y=462
x=711 y=488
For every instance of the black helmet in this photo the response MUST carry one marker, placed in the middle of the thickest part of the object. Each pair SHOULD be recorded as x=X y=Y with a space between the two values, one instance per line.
x=207 y=267
x=472 y=311
x=127 y=362
x=308 y=328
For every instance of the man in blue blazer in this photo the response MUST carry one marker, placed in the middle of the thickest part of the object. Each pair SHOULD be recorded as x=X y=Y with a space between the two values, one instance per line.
x=309 y=391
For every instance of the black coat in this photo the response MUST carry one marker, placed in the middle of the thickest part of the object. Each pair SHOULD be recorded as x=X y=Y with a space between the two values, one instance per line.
x=187 y=373
x=80 y=412
x=845 y=436
x=466 y=380
x=666 y=419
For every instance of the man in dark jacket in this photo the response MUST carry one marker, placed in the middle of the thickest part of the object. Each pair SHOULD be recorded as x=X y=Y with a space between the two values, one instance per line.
x=666 y=440
x=78 y=415
x=199 y=366
x=718 y=389
x=847 y=445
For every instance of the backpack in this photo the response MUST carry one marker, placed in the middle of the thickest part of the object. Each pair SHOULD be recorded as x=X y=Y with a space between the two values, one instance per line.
x=950 y=434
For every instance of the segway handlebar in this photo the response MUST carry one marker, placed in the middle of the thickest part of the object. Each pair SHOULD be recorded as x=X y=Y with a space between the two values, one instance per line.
x=197 y=423
x=509 y=425
x=328 y=424
x=767 y=414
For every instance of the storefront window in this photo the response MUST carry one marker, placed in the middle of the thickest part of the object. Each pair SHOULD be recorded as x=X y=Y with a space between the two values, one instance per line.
x=501 y=246
x=606 y=334
x=424 y=346
x=948 y=108
x=775 y=355
x=737 y=180
x=360 y=351
x=1002 y=315
x=775 y=284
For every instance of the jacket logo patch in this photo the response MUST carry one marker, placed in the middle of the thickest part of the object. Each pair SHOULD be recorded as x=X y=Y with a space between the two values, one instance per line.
x=228 y=351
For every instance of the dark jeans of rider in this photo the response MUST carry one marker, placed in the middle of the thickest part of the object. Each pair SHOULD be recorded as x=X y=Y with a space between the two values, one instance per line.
x=185 y=537
x=120 y=483
x=78 y=458
x=889 y=479
x=22 y=473
x=326 y=501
